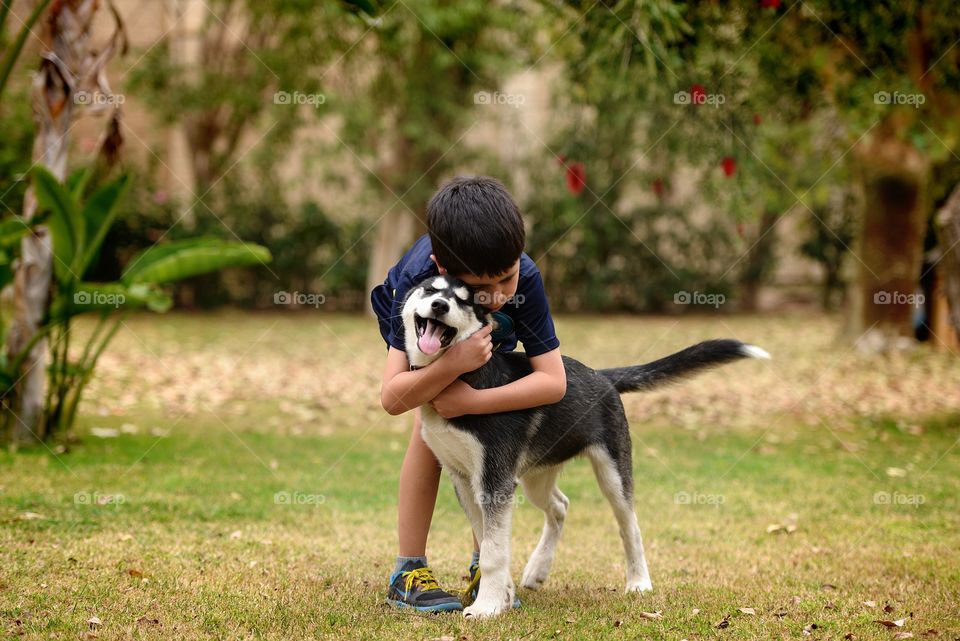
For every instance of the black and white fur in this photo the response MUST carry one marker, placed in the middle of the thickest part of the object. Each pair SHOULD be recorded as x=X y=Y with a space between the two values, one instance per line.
x=486 y=455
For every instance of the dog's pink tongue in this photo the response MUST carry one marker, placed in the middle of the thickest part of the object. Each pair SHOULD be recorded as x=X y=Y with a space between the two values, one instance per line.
x=429 y=343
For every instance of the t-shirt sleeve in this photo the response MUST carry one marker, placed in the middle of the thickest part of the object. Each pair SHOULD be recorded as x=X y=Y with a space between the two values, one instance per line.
x=534 y=322
x=396 y=334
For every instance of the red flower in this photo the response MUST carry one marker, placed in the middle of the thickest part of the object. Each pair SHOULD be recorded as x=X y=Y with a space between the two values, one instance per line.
x=757 y=119
x=698 y=95
x=576 y=178
x=658 y=187
x=770 y=4
x=561 y=159
x=729 y=164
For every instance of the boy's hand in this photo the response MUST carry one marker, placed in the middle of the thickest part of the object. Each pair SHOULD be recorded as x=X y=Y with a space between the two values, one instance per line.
x=472 y=353
x=456 y=400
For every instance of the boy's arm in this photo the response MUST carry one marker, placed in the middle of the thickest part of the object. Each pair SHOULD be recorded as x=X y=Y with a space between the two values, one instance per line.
x=546 y=384
x=403 y=390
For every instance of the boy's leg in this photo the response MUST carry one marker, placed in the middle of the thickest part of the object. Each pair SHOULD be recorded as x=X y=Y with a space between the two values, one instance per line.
x=418 y=495
x=412 y=584
x=419 y=482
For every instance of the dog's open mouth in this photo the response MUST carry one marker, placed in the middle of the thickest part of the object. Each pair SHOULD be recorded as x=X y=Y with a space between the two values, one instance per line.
x=432 y=335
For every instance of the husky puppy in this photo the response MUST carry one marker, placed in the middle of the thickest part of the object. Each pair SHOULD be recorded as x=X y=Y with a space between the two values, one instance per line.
x=487 y=455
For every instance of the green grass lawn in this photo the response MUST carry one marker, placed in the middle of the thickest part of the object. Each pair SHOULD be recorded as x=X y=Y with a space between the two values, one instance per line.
x=235 y=478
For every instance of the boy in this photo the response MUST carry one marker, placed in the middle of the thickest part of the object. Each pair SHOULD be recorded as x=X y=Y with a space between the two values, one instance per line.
x=475 y=233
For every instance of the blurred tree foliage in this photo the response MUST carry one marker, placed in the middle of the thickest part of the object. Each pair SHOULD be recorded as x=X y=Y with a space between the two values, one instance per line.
x=255 y=61
x=681 y=138
x=15 y=150
x=665 y=96
x=414 y=90
x=892 y=72
x=260 y=75
x=760 y=109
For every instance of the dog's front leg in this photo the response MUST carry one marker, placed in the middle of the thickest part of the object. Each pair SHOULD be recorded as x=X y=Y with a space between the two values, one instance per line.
x=468 y=501
x=496 y=587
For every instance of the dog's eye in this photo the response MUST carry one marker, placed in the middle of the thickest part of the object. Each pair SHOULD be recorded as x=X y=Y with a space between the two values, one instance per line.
x=429 y=290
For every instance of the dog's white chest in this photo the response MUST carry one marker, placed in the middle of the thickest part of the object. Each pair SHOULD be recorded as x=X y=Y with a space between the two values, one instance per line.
x=454 y=448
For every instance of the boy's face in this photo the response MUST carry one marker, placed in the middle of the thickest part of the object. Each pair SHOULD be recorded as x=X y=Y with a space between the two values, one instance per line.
x=492 y=292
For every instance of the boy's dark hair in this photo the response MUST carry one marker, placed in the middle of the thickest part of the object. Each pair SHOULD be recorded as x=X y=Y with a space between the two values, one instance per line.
x=475 y=227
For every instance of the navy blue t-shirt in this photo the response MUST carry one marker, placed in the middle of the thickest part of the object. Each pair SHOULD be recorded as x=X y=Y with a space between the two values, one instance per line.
x=533 y=325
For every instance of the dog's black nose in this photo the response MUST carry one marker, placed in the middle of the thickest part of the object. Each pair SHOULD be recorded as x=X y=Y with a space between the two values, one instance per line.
x=440 y=306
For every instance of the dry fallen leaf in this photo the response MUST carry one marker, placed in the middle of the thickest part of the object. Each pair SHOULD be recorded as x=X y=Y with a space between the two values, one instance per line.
x=94 y=621
x=891 y=624
x=723 y=624
x=870 y=604
x=135 y=572
x=750 y=611
x=651 y=615
x=897 y=472
x=236 y=534
x=888 y=608
x=903 y=635
x=617 y=623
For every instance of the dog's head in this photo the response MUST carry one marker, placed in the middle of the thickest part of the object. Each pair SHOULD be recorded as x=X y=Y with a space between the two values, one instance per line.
x=438 y=313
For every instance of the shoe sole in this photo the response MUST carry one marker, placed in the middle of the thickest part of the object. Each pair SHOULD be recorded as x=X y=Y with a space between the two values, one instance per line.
x=440 y=607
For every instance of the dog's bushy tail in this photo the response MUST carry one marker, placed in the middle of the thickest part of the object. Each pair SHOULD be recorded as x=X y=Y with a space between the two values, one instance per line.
x=684 y=363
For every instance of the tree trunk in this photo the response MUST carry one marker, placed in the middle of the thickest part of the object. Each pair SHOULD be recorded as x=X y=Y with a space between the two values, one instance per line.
x=948 y=232
x=71 y=75
x=894 y=178
x=759 y=262
x=399 y=227
x=53 y=107
x=394 y=235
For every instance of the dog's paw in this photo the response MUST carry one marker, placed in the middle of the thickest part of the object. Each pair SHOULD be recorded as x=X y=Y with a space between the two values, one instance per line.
x=535 y=574
x=642 y=585
x=532 y=582
x=482 y=610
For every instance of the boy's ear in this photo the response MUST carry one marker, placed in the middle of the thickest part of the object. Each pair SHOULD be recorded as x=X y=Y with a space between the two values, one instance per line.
x=440 y=268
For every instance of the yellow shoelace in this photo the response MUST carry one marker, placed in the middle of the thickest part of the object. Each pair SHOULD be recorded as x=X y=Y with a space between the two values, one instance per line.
x=423 y=578
x=466 y=594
